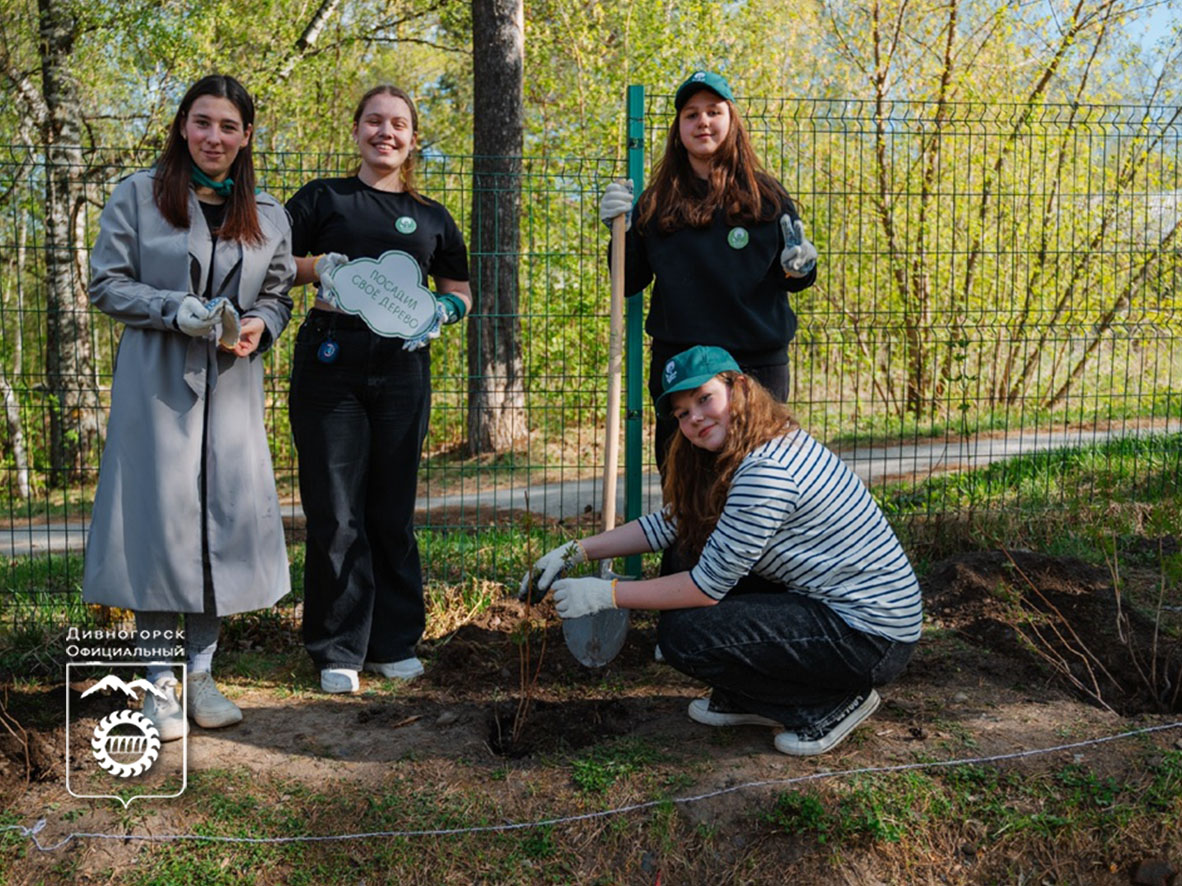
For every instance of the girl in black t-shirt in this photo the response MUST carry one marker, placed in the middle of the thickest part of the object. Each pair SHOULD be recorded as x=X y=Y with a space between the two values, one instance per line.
x=360 y=403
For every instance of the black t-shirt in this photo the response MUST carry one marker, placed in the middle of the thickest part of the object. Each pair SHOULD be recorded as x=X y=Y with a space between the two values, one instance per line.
x=215 y=216
x=346 y=215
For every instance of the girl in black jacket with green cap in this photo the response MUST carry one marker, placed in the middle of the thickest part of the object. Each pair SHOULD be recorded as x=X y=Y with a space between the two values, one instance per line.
x=722 y=239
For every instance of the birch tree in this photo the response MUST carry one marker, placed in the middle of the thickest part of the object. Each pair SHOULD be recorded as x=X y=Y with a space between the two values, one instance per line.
x=1001 y=202
x=69 y=371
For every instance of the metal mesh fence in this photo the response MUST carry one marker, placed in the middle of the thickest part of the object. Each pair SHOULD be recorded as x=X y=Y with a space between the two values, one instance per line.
x=562 y=310
x=995 y=280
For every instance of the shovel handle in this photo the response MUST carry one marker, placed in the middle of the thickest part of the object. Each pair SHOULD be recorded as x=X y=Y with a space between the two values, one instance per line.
x=611 y=446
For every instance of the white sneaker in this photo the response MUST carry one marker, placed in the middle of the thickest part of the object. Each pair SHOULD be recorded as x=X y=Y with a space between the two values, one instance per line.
x=808 y=742
x=165 y=713
x=704 y=711
x=208 y=708
x=339 y=680
x=407 y=669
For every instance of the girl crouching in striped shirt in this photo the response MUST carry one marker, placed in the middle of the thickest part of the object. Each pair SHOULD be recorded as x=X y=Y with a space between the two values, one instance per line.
x=801 y=601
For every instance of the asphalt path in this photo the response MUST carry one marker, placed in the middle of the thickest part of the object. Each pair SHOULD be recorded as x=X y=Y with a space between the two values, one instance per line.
x=559 y=500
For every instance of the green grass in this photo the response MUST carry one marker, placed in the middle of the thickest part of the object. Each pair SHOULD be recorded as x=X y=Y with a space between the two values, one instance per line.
x=605 y=764
x=453 y=465
x=1007 y=803
x=880 y=428
x=51 y=575
x=874 y=808
x=40 y=597
x=1144 y=469
x=48 y=505
x=1083 y=502
x=1007 y=815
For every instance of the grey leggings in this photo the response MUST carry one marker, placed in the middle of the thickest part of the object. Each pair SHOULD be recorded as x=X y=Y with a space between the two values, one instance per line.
x=201 y=640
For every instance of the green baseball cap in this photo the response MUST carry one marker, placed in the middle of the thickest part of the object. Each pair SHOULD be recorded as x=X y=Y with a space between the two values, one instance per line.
x=691 y=369
x=699 y=80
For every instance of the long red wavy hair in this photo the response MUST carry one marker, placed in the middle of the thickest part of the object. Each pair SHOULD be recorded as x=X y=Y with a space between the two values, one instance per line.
x=697 y=481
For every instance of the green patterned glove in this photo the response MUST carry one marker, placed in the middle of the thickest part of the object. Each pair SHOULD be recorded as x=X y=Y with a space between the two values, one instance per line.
x=454 y=306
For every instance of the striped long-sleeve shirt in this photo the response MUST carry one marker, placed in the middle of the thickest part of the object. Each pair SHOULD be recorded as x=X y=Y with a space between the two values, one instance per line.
x=797 y=515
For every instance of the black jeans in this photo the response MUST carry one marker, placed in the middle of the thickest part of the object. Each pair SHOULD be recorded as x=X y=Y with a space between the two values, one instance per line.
x=779 y=654
x=359 y=423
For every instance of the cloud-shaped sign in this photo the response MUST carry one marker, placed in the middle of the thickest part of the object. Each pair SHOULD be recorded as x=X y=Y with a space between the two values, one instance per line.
x=386 y=292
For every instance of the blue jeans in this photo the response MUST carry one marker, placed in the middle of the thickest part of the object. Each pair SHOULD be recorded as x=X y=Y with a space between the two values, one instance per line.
x=359 y=423
x=778 y=654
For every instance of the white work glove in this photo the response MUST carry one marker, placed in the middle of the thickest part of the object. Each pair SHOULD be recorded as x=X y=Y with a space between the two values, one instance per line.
x=223 y=311
x=549 y=567
x=617 y=200
x=576 y=597
x=432 y=331
x=325 y=265
x=195 y=318
x=799 y=256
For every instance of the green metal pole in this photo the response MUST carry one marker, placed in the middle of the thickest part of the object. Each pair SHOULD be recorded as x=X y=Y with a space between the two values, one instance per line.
x=634 y=341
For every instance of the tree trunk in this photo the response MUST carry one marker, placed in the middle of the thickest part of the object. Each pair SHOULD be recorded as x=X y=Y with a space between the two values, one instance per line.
x=16 y=437
x=308 y=38
x=496 y=395
x=74 y=405
x=12 y=410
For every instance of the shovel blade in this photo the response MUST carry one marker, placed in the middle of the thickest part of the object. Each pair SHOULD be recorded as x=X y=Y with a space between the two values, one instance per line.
x=594 y=640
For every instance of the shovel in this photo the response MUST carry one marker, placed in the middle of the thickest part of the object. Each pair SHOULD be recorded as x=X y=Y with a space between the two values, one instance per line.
x=596 y=639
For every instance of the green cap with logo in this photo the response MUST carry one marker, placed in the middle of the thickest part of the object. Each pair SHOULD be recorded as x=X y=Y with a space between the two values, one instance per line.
x=691 y=369
x=700 y=80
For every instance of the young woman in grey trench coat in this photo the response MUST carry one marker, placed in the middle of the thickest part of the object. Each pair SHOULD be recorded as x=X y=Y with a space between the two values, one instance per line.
x=197 y=267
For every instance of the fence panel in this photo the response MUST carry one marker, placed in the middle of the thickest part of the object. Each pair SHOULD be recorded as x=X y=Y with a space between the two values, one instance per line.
x=993 y=279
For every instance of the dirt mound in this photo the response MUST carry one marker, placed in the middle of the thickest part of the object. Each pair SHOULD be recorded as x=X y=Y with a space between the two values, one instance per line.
x=1062 y=617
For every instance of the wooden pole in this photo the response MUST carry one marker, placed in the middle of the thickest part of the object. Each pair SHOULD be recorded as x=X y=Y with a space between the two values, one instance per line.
x=615 y=366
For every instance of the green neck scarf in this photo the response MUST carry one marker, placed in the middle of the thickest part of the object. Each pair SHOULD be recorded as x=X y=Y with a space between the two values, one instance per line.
x=223 y=188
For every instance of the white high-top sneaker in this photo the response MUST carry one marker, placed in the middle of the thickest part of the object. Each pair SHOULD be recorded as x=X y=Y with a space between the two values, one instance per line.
x=208 y=708
x=165 y=713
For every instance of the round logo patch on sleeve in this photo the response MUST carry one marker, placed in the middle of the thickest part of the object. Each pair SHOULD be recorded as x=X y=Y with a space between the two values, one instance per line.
x=738 y=238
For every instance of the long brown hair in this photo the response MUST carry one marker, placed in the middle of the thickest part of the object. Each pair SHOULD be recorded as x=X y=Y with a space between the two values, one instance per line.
x=697 y=480
x=407 y=170
x=737 y=183
x=170 y=187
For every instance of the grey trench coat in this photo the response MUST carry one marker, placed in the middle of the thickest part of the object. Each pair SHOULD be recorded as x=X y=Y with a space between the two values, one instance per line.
x=170 y=395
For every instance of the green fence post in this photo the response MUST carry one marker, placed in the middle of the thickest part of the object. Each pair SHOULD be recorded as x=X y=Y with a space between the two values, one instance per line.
x=634 y=340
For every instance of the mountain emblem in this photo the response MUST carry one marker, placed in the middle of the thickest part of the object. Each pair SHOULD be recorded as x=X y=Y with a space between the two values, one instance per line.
x=112 y=682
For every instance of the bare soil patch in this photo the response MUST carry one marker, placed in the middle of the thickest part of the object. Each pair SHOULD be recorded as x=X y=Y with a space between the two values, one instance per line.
x=1063 y=619
x=1021 y=651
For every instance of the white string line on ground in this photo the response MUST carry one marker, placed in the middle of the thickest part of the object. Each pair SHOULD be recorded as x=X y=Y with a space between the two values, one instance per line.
x=39 y=826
